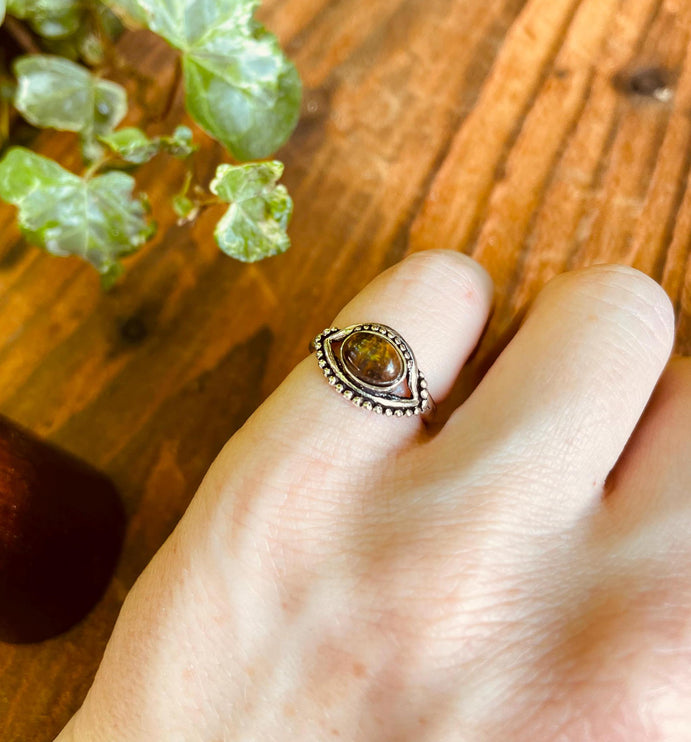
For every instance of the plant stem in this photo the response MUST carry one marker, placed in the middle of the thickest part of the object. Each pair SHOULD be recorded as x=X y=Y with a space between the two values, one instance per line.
x=212 y=201
x=4 y=123
x=173 y=91
x=21 y=35
x=7 y=85
x=115 y=63
x=96 y=165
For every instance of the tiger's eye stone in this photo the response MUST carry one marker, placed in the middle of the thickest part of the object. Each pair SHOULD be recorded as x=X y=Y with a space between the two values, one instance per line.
x=372 y=358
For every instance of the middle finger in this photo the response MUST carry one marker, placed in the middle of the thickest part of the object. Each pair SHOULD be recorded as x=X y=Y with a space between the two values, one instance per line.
x=555 y=411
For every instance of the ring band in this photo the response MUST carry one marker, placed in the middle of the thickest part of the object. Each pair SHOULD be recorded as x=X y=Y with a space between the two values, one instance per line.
x=373 y=367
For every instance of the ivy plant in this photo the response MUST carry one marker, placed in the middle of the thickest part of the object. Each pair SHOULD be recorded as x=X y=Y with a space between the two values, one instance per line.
x=239 y=88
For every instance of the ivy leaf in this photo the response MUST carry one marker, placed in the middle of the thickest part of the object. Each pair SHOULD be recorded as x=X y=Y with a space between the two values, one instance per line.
x=54 y=92
x=98 y=26
x=180 y=143
x=254 y=227
x=184 y=207
x=239 y=86
x=97 y=219
x=52 y=19
x=73 y=28
x=129 y=11
x=131 y=144
x=105 y=22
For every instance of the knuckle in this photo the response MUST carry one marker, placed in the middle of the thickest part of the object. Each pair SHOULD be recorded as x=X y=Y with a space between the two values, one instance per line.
x=448 y=271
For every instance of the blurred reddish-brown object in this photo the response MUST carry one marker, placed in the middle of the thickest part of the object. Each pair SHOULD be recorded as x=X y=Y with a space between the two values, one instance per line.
x=61 y=529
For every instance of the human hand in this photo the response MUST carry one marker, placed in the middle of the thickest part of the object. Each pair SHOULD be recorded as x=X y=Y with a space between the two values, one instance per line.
x=343 y=575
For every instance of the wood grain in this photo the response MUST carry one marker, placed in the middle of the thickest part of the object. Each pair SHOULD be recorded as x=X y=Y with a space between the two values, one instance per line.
x=527 y=133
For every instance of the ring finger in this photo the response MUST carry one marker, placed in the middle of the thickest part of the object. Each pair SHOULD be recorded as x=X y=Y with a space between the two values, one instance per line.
x=438 y=301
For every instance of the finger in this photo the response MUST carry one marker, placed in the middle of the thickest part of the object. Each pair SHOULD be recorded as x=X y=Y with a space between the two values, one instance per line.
x=561 y=401
x=652 y=480
x=438 y=301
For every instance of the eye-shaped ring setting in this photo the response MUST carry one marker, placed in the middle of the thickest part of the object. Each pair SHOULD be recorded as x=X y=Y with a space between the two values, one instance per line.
x=373 y=367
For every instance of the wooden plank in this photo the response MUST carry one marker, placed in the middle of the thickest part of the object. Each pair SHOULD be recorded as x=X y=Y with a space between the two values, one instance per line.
x=619 y=199
x=515 y=200
x=465 y=180
x=567 y=206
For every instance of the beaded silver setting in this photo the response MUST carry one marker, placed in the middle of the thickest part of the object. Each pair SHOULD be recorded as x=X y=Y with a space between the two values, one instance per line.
x=406 y=395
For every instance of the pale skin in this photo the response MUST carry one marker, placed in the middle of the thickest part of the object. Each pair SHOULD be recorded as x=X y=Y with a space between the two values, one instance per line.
x=524 y=574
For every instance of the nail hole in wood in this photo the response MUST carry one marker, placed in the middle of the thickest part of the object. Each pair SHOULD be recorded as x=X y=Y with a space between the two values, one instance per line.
x=133 y=330
x=648 y=82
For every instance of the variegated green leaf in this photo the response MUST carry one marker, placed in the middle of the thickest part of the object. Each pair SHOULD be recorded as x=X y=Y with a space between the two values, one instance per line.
x=254 y=226
x=97 y=219
x=57 y=93
x=239 y=85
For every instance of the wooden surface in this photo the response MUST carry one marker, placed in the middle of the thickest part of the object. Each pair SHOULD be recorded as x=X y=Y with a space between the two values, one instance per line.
x=536 y=135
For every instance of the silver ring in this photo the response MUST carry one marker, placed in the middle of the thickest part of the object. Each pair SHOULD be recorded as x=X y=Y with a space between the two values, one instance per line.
x=373 y=367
